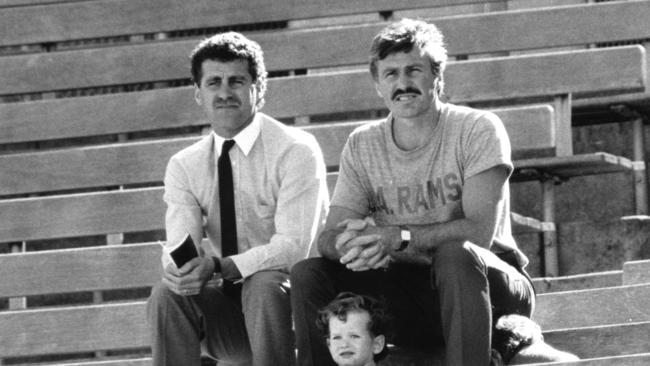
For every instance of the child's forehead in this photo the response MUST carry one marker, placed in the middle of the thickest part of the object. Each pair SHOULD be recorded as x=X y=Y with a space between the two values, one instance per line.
x=353 y=319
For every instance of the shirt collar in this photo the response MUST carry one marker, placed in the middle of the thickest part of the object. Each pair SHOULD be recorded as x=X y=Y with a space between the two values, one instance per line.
x=244 y=139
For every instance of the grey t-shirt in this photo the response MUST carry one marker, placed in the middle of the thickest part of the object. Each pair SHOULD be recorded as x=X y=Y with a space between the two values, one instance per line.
x=424 y=185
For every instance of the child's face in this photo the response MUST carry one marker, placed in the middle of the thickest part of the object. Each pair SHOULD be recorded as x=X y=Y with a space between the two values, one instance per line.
x=350 y=342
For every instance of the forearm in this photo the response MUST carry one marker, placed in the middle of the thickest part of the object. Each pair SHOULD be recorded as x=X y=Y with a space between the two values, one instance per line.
x=424 y=238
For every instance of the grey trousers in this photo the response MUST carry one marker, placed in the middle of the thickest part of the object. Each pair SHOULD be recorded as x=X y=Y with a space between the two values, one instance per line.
x=449 y=305
x=254 y=329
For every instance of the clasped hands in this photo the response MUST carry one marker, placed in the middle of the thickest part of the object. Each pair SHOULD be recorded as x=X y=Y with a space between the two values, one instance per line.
x=363 y=245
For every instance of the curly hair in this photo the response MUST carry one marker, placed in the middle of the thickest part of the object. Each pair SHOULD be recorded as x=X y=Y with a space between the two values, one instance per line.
x=347 y=302
x=227 y=47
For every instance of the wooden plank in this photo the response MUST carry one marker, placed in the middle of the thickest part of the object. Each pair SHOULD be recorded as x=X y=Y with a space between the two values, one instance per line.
x=9 y=3
x=74 y=329
x=305 y=49
x=105 y=18
x=578 y=282
x=602 y=341
x=558 y=26
x=82 y=214
x=125 y=362
x=95 y=166
x=530 y=129
x=80 y=269
x=636 y=272
x=584 y=308
x=628 y=360
x=121 y=211
x=620 y=69
x=570 y=166
x=523 y=224
x=511 y=77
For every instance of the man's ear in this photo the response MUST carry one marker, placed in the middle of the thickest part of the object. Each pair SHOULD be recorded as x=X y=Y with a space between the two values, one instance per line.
x=377 y=90
x=197 y=95
x=378 y=344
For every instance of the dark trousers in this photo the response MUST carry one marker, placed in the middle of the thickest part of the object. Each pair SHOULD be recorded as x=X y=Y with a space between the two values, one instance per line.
x=449 y=305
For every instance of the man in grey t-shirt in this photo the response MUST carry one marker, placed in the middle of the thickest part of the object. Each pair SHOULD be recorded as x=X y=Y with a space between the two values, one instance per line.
x=420 y=214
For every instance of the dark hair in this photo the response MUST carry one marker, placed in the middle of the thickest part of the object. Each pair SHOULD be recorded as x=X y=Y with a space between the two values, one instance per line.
x=405 y=34
x=347 y=302
x=231 y=46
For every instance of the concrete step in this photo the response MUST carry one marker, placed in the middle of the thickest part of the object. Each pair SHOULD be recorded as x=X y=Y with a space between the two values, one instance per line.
x=636 y=272
x=602 y=341
x=628 y=360
x=593 y=307
x=578 y=282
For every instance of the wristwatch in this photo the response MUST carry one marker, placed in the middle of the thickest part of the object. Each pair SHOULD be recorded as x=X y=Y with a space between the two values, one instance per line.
x=405 y=234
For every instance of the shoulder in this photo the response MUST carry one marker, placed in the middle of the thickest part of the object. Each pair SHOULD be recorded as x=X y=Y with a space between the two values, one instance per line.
x=368 y=132
x=198 y=151
x=281 y=134
x=474 y=122
x=471 y=116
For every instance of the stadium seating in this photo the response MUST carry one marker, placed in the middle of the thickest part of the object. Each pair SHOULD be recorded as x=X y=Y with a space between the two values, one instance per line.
x=95 y=98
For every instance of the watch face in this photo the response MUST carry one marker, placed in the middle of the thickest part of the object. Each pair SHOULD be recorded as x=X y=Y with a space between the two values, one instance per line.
x=406 y=235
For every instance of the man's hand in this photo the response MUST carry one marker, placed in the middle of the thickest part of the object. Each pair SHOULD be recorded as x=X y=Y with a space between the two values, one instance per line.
x=189 y=279
x=363 y=245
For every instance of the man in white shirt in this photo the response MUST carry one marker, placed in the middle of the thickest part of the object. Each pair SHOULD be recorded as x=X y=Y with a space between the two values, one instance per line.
x=278 y=202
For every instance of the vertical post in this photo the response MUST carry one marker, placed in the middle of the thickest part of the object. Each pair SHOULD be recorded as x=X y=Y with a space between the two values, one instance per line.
x=18 y=303
x=551 y=266
x=563 y=135
x=640 y=179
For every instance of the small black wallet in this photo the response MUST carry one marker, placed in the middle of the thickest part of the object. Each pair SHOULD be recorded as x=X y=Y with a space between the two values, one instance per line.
x=184 y=252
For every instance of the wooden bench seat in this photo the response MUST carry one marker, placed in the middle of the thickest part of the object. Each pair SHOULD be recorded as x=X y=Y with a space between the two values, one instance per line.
x=467 y=82
x=111 y=18
x=114 y=165
x=558 y=74
x=137 y=265
x=303 y=49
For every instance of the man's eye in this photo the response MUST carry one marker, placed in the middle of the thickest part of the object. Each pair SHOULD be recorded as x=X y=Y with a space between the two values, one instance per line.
x=237 y=82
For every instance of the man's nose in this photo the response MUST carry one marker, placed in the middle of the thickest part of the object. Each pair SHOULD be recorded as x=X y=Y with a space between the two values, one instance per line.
x=224 y=91
x=403 y=80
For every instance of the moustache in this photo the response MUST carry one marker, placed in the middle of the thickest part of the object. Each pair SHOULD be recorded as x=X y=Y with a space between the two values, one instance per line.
x=409 y=90
x=230 y=102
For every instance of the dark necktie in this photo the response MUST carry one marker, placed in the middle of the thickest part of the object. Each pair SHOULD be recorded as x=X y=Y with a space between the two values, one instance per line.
x=227 y=202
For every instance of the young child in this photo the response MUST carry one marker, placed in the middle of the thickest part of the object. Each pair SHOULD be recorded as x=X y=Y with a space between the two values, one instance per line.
x=355 y=329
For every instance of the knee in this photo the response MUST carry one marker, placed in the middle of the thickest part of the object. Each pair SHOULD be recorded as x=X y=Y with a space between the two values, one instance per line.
x=308 y=272
x=266 y=290
x=161 y=300
x=160 y=294
x=457 y=259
